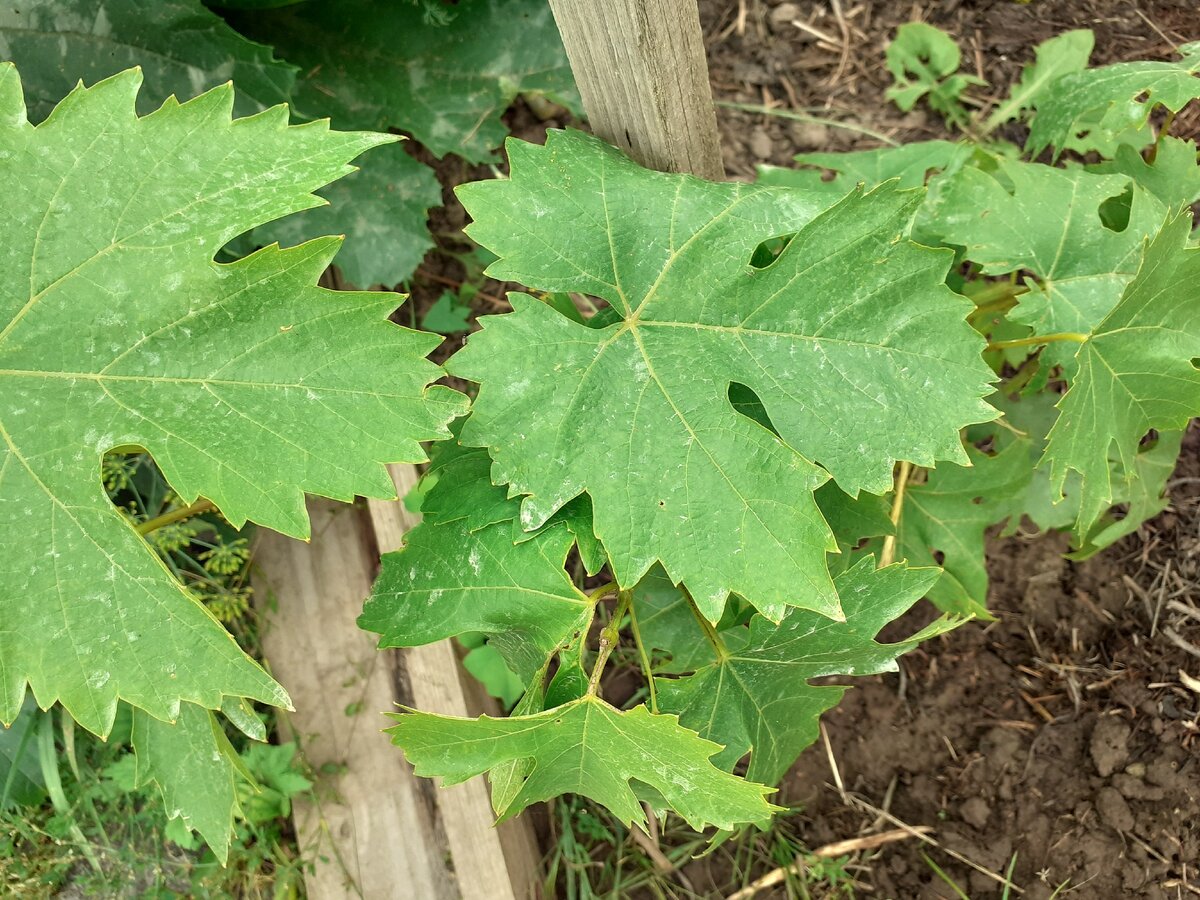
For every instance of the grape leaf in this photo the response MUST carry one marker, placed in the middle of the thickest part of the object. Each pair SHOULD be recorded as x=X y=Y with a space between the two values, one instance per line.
x=445 y=85
x=667 y=623
x=1060 y=55
x=1111 y=100
x=21 y=779
x=1143 y=496
x=924 y=61
x=180 y=46
x=183 y=48
x=448 y=580
x=1173 y=177
x=487 y=666
x=587 y=747
x=909 y=162
x=196 y=770
x=758 y=699
x=248 y=384
x=1136 y=372
x=382 y=211
x=1029 y=217
x=637 y=413
x=949 y=514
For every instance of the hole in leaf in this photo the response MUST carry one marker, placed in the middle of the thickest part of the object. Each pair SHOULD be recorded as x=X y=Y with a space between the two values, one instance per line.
x=1149 y=439
x=1142 y=97
x=1114 y=212
x=746 y=402
x=939 y=557
x=1196 y=362
x=977 y=500
x=768 y=251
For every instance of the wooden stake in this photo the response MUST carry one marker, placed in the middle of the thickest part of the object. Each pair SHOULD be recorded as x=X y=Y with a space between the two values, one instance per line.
x=642 y=74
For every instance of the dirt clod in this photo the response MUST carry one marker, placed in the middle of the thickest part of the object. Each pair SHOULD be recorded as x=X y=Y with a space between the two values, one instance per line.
x=1110 y=745
x=975 y=812
x=1114 y=811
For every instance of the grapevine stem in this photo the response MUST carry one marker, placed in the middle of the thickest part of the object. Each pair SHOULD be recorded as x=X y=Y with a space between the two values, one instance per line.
x=707 y=627
x=175 y=515
x=1038 y=339
x=610 y=636
x=644 y=657
x=887 y=555
x=598 y=594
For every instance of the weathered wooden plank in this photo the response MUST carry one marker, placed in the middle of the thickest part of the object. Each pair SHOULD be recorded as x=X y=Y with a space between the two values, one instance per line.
x=372 y=828
x=643 y=77
x=491 y=863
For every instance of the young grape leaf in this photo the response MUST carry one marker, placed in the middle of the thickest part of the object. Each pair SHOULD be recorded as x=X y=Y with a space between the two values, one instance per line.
x=1029 y=217
x=851 y=323
x=1060 y=55
x=180 y=46
x=948 y=516
x=909 y=162
x=667 y=623
x=924 y=61
x=1141 y=498
x=853 y=518
x=758 y=699
x=381 y=209
x=587 y=747
x=1111 y=100
x=1173 y=176
x=487 y=666
x=21 y=780
x=448 y=580
x=196 y=770
x=1136 y=372
x=446 y=85
x=248 y=384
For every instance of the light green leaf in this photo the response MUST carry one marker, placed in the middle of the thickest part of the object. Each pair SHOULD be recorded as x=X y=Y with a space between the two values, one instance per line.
x=180 y=47
x=1140 y=498
x=448 y=580
x=667 y=623
x=910 y=163
x=447 y=315
x=1030 y=217
x=587 y=747
x=446 y=85
x=1136 y=372
x=196 y=770
x=1060 y=55
x=248 y=384
x=949 y=514
x=1111 y=100
x=1144 y=494
x=487 y=666
x=1173 y=177
x=758 y=699
x=820 y=336
x=382 y=211
x=924 y=61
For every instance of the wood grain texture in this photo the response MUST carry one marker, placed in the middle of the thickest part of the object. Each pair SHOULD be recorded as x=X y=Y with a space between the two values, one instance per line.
x=372 y=826
x=643 y=77
x=492 y=863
